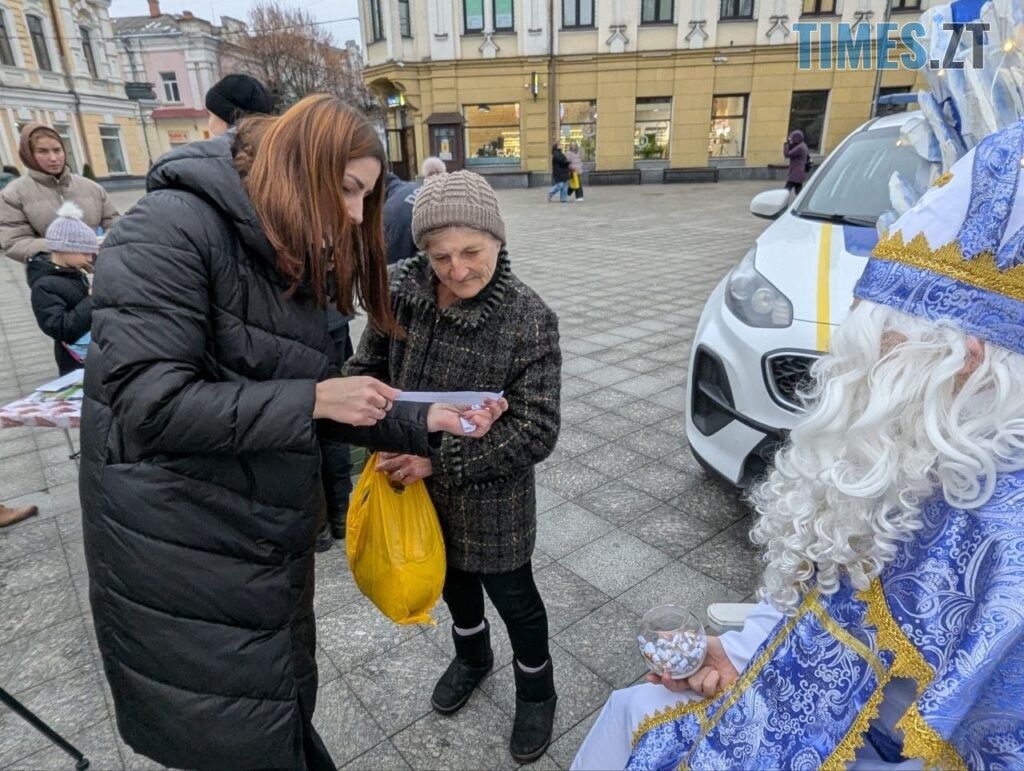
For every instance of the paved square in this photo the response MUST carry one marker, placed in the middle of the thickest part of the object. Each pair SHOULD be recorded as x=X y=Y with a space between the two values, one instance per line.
x=627 y=519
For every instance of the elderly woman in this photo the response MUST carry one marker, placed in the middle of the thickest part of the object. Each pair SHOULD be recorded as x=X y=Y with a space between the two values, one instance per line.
x=471 y=324
x=29 y=204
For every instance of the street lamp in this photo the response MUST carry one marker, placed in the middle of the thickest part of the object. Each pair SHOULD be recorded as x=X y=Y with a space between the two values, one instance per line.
x=139 y=92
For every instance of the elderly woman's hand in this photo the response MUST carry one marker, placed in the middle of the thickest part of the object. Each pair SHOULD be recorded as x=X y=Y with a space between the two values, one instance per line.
x=446 y=417
x=357 y=401
x=404 y=469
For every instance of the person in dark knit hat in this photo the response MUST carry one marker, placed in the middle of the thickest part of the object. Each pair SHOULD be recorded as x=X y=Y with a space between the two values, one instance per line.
x=232 y=98
x=470 y=324
x=59 y=281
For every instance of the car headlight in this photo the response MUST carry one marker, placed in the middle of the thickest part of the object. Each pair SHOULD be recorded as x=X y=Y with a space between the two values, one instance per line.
x=753 y=299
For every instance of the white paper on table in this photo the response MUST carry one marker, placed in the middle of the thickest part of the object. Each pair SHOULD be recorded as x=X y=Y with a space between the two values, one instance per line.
x=75 y=377
x=471 y=398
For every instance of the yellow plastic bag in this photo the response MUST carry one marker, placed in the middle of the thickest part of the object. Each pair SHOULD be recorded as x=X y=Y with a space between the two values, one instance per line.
x=574 y=181
x=395 y=547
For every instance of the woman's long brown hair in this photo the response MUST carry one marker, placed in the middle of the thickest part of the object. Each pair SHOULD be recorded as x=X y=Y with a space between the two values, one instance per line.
x=292 y=167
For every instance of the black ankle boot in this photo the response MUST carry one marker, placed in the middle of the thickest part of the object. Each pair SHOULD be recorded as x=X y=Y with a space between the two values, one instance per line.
x=473 y=660
x=324 y=542
x=336 y=522
x=535 y=713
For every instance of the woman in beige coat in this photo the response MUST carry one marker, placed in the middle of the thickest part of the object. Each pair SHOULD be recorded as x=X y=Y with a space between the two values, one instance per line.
x=29 y=204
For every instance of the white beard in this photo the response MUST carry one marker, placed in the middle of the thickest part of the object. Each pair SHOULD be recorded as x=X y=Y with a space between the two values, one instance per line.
x=884 y=433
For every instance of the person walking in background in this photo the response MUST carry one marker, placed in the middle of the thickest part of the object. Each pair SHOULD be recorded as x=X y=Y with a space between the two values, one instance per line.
x=29 y=204
x=576 y=171
x=399 y=196
x=8 y=175
x=208 y=388
x=234 y=97
x=61 y=289
x=799 y=155
x=431 y=166
x=560 y=174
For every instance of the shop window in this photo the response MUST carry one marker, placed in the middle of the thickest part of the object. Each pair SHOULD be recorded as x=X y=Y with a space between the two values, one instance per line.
x=728 y=126
x=807 y=113
x=578 y=125
x=492 y=135
x=651 y=134
x=906 y=5
x=889 y=109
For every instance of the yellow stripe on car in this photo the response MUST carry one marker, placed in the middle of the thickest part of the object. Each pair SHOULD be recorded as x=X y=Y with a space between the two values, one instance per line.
x=824 y=288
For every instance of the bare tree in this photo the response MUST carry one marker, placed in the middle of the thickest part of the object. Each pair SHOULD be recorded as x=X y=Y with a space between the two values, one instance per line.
x=294 y=56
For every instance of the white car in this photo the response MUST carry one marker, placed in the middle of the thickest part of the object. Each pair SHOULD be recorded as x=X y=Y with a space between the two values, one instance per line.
x=773 y=314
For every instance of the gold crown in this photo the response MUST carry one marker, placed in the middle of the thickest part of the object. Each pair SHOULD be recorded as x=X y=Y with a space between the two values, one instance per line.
x=981 y=271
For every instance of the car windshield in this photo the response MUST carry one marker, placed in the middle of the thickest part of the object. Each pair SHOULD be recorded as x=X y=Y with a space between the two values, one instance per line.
x=854 y=185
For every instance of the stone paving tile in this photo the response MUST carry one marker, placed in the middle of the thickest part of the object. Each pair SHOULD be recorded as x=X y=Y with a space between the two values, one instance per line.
x=672 y=532
x=36 y=658
x=730 y=558
x=623 y=446
x=70 y=703
x=97 y=743
x=38 y=609
x=571 y=478
x=406 y=674
x=358 y=632
x=605 y=642
x=567 y=528
x=474 y=737
x=344 y=723
x=383 y=757
x=618 y=503
x=678 y=584
x=615 y=562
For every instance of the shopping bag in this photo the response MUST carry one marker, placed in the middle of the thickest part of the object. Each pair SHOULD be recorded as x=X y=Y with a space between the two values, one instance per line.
x=395 y=547
x=574 y=181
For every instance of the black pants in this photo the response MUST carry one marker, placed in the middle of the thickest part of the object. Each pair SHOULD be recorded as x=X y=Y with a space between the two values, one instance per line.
x=517 y=601
x=794 y=186
x=578 y=192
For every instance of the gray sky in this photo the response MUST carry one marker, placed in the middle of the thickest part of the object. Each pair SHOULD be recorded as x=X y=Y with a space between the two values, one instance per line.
x=324 y=10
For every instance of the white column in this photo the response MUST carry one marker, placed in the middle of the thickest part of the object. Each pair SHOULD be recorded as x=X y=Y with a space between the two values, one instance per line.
x=197 y=97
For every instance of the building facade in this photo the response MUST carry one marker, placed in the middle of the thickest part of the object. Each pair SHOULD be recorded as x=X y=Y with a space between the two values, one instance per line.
x=59 y=65
x=637 y=84
x=182 y=56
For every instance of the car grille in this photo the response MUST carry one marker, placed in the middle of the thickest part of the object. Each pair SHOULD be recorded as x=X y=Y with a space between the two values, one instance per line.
x=788 y=373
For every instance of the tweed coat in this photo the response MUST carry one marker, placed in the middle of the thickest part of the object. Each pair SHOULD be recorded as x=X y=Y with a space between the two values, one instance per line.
x=504 y=339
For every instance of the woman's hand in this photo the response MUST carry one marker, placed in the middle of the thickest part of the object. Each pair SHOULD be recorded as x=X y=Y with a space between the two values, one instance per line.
x=404 y=469
x=446 y=417
x=715 y=675
x=357 y=401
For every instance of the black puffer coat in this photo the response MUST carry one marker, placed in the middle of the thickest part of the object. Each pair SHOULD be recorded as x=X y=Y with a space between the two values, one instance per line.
x=62 y=305
x=200 y=477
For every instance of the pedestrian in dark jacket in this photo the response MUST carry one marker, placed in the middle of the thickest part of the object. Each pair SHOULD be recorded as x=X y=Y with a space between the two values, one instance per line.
x=7 y=175
x=471 y=324
x=59 y=282
x=399 y=196
x=561 y=171
x=206 y=387
x=799 y=154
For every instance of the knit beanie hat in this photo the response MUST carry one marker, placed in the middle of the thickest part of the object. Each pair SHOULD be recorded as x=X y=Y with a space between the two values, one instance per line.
x=235 y=96
x=69 y=234
x=461 y=198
